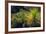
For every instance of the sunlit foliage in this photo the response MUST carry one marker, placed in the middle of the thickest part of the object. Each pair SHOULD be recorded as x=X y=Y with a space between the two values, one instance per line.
x=26 y=17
